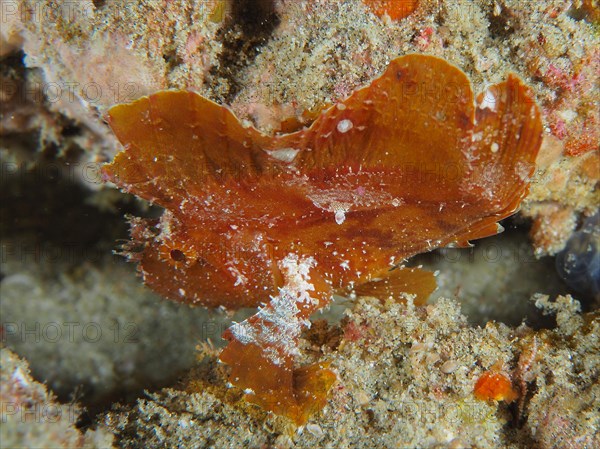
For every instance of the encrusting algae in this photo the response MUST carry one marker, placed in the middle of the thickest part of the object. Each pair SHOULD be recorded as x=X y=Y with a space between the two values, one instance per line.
x=394 y=9
x=410 y=163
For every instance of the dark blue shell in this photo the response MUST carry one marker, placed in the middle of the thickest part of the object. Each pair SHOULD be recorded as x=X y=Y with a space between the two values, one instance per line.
x=579 y=263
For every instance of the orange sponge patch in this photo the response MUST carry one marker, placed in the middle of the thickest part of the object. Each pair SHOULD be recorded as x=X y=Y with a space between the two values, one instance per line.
x=495 y=386
x=395 y=9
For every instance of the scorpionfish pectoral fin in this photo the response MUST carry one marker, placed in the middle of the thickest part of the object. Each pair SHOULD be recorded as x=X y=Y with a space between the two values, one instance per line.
x=262 y=349
x=413 y=281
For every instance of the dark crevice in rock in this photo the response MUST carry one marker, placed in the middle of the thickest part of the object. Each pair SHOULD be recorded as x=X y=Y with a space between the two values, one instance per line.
x=46 y=201
x=244 y=32
x=503 y=23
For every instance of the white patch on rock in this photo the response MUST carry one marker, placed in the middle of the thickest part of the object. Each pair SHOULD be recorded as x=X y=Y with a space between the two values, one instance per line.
x=567 y=115
x=340 y=210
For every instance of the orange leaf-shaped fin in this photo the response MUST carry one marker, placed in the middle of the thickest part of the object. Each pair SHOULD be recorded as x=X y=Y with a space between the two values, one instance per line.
x=261 y=349
x=280 y=388
x=508 y=126
x=178 y=145
x=414 y=281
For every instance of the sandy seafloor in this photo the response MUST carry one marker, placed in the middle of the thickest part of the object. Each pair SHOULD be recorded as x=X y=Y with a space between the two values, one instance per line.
x=92 y=358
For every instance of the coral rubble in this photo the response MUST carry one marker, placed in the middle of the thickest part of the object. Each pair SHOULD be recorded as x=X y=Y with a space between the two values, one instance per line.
x=32 y=417
x=406 y=377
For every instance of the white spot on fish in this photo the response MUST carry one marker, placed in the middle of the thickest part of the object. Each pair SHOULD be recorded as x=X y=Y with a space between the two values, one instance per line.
x=489 y=101
x=285 y=154
x=344 y=126
x=477 y=137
